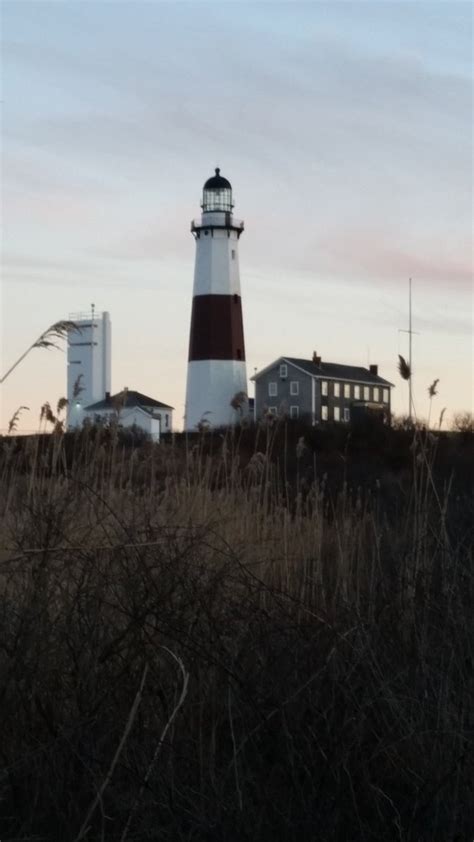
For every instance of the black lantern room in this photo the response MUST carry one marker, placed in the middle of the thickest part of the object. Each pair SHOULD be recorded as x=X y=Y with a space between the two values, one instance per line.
x=217 y=194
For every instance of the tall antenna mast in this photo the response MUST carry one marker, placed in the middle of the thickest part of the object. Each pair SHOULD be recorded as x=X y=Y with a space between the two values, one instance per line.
x=410 y=359
x=410 y=354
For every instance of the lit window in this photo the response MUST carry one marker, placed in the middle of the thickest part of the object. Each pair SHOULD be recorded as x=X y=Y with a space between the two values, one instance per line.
x=347 y=414
x=283 y=370
x=294 y=387
x=324 y=413
x=376 y=393
x=366 y=393
x=273 y=389
x=347 y=390
x=337 y=390
x=386 y=395
x=324 y=387
x=294 y=411
x=357 y=393
x=337 y=413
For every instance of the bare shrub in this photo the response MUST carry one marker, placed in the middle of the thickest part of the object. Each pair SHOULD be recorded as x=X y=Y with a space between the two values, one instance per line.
x=190 y=651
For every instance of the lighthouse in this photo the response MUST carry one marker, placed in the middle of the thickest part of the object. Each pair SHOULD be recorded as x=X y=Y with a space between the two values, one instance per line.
x=216 y=391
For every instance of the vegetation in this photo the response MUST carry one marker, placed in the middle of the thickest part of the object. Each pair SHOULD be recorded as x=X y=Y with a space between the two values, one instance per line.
x=265 y=635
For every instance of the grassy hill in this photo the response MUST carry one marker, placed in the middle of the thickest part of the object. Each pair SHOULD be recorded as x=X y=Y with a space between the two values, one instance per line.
x=251 y=636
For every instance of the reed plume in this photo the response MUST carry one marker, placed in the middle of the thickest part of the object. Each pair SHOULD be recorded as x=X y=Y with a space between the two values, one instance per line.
x=48 y=339
x=404 y=368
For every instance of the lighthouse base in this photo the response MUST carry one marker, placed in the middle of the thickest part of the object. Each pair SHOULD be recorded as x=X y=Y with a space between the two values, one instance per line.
x=211 y=386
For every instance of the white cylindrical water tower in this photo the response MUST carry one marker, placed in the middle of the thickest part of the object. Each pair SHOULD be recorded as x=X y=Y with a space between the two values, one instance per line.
x=216 y=392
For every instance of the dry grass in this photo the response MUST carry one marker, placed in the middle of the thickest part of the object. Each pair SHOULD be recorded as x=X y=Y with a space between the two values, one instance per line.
x=193 y=650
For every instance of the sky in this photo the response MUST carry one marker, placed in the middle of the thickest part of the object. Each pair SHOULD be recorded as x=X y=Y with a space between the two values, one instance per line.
x=346 y=131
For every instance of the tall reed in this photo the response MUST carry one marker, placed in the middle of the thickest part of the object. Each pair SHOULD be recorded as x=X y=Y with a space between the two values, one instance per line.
x=325 y=647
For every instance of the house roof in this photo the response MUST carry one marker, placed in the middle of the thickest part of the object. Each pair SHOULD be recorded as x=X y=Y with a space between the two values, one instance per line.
x=128 y=399
x=329 y=371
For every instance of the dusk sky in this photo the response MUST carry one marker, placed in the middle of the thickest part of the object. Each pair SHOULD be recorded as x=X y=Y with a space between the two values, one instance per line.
x=346 y=131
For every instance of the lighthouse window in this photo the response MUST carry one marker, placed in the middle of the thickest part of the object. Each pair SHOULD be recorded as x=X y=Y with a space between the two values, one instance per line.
x=239 y=354
x=272 y=390
x=233 y=254
x=236 y=298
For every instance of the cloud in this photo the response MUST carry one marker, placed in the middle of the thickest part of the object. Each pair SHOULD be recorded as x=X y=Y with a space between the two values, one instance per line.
x=373 y=254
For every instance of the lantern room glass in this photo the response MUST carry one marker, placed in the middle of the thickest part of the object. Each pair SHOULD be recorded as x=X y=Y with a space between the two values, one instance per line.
x=217 y=199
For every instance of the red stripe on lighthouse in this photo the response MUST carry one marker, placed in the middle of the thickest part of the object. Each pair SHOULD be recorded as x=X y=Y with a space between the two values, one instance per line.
x=217 y=331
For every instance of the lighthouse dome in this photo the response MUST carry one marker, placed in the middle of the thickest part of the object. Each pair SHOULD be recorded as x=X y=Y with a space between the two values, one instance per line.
x=217 y=182
x=217 y=194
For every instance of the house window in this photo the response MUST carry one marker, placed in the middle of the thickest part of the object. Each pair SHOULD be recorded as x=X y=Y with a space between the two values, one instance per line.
x=294 y=411
x=347 y=414
x=272 y=410
x=283 y=370
x=324 y=413
x=272 y=389
x=386 y=395
x=324 y=387
x=337 y=390
x=366 y=393
x=376 y=393
x=337 y=413
x=347 y=390
x=294 y=387
x=357 y=393
x=233 y=254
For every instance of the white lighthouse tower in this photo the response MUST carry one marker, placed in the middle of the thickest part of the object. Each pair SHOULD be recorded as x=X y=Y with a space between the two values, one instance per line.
x=216 y=391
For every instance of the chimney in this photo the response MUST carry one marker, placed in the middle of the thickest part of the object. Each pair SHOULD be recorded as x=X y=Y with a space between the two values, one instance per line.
x=374 y=369
x=316 y=359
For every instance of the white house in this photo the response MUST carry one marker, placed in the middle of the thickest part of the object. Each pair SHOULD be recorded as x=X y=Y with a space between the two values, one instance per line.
x=129 y=408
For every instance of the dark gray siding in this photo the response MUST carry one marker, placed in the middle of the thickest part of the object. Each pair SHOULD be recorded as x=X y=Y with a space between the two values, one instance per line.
x=284 y=400
x=350 y=394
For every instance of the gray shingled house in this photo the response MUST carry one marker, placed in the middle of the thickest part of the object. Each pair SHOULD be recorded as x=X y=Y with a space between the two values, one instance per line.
x=318 y=391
